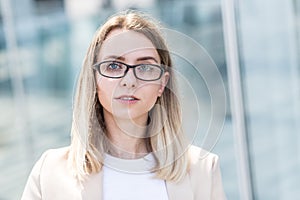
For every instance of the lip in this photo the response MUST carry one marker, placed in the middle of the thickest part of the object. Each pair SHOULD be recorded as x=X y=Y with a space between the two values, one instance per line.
x=127 y=99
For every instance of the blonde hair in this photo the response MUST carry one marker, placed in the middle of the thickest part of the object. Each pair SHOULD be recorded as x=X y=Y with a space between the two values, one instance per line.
x=88 y=134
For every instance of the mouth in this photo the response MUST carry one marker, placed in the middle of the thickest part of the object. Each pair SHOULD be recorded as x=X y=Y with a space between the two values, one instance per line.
x=127 y=99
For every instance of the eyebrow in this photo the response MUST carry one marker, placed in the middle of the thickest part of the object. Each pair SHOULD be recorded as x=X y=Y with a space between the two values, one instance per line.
x=114 y=57
x=123 y=58
x=147 y=58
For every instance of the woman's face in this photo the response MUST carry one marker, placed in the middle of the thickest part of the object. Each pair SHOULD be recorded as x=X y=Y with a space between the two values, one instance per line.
x=128 y=97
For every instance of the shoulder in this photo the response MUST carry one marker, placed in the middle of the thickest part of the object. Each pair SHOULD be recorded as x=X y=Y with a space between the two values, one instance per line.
x=59 y=154
x=51 y=177
x=203 y=164
x=204 y=173
x=198 y=155
x=53 y=160
x=55 y=175
x=51 y=156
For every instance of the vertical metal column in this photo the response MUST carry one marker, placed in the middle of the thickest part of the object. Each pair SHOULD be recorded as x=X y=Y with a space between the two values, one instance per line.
x=236 y=99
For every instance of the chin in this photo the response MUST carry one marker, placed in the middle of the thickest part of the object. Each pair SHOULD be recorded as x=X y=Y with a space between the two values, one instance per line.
x=127 y=115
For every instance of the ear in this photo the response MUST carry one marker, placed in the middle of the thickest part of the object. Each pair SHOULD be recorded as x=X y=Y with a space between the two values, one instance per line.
x=164 y=82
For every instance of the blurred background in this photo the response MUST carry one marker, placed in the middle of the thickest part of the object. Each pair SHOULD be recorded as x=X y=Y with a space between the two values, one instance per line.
x=254 y=43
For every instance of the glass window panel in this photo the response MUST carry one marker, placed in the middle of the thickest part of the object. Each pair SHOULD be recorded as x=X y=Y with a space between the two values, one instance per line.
x=270 y=63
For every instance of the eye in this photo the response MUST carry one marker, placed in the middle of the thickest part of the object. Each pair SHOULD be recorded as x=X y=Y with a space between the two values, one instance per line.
x=145 y=68
x=114 y=66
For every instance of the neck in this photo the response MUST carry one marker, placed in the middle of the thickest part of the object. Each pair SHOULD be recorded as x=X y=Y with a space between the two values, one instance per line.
x=127 y=137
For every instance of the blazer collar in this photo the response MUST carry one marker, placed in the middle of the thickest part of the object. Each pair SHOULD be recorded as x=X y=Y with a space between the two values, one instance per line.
x=92 y=187
x=180 y=190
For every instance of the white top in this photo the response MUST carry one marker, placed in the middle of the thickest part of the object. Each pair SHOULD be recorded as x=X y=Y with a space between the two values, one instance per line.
x=126 y=179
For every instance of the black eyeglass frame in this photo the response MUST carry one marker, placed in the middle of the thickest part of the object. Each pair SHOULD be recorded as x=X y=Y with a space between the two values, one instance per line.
x=97 y=67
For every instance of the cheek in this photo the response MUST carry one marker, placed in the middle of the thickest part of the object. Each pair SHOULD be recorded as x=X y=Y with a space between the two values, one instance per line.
x=152 y=89
x=150 y=93
x=105 y=90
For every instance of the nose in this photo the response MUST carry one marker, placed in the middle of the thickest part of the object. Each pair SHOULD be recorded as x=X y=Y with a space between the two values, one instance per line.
x=129 y=80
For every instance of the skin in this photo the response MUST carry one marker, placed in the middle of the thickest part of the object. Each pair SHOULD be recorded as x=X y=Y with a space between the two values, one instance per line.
x=126 y=120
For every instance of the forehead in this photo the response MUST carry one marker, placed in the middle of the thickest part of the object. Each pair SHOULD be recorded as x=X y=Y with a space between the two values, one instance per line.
x=127 y=43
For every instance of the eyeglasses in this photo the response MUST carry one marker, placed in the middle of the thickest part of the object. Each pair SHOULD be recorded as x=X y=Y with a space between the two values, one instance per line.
x=116 y=69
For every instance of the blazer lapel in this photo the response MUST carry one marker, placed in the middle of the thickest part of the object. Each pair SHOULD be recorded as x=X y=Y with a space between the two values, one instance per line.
x=92 y=187
x=181 y=190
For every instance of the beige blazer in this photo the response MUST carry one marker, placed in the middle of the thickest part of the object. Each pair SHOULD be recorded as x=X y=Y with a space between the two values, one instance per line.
x=50 y=179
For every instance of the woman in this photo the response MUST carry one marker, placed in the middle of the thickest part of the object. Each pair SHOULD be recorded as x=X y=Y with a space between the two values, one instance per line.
x=127 y=141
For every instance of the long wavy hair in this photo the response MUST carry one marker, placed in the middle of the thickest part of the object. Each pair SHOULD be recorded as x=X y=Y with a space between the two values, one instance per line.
x=88 y=134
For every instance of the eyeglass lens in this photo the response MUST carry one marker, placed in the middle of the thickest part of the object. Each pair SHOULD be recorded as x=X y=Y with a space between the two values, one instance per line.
x=115 y=69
